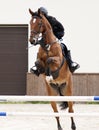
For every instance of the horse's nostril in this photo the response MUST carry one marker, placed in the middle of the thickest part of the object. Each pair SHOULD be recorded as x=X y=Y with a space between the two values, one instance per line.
x=34 y=41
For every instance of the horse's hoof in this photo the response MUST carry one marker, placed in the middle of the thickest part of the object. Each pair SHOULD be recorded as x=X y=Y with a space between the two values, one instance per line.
x=34 y=72
x=73 y=126
x=60 y=128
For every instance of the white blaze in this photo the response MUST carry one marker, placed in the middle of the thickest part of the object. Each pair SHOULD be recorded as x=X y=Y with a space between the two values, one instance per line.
x=34 y=20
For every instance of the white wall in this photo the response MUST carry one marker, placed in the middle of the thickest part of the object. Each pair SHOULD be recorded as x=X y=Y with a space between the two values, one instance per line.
x=79 y=17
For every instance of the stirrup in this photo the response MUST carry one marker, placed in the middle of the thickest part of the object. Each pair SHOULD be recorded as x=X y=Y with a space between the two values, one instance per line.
x=73 y=68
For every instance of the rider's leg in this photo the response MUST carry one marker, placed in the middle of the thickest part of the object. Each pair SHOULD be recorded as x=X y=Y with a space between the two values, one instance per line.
x=72 y=65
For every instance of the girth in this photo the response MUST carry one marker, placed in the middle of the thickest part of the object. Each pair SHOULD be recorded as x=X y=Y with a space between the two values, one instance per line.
x=55 y=73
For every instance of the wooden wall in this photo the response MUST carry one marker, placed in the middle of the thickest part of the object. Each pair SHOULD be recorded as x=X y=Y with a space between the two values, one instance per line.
x=84 y=84
x=35 y=85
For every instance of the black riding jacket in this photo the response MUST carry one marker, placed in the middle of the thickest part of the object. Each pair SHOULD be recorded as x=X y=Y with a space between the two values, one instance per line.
x=57 y=27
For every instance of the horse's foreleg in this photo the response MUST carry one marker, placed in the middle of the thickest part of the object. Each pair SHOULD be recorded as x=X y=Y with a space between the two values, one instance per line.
x=70 y=105
x=54 y=106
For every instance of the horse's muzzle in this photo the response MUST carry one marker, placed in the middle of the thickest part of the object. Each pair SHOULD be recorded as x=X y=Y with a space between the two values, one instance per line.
x=33 y=42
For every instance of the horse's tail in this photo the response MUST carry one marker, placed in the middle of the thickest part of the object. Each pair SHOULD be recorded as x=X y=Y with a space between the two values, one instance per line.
x=63 y=105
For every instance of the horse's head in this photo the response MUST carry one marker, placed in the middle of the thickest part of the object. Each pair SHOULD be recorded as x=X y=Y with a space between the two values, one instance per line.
x=36 y=26
x=39 y=27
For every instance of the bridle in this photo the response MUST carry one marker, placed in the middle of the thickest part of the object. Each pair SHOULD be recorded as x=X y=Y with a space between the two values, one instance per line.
x=37 y=34
x=40 y=25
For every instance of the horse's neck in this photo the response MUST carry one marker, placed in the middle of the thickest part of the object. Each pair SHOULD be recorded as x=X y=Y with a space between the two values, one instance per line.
x=49 y=37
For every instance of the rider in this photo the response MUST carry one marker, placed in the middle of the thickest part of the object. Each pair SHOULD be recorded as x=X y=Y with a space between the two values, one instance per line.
x=58 y=31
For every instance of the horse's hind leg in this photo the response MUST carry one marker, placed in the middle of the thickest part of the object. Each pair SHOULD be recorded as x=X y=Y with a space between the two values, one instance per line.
x=54 y=106
x=70 y=105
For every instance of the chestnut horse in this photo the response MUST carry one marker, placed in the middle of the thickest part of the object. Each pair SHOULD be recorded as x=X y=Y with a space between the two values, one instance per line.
x=50 y=59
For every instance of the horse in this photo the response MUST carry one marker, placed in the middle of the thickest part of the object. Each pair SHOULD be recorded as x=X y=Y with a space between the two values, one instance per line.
x=51 y=62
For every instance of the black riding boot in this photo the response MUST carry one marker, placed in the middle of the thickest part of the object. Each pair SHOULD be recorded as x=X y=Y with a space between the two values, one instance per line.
x=72 y=65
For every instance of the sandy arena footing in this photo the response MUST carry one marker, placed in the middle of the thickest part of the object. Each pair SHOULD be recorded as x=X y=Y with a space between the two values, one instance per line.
x=46 y=123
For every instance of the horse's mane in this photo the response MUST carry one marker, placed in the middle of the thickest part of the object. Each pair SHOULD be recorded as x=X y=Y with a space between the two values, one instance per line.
x=48 y=24
x=42 y=16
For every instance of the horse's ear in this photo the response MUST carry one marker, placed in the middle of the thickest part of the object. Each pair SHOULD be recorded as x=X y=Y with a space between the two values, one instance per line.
x=39 y=12
x=31 y=12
